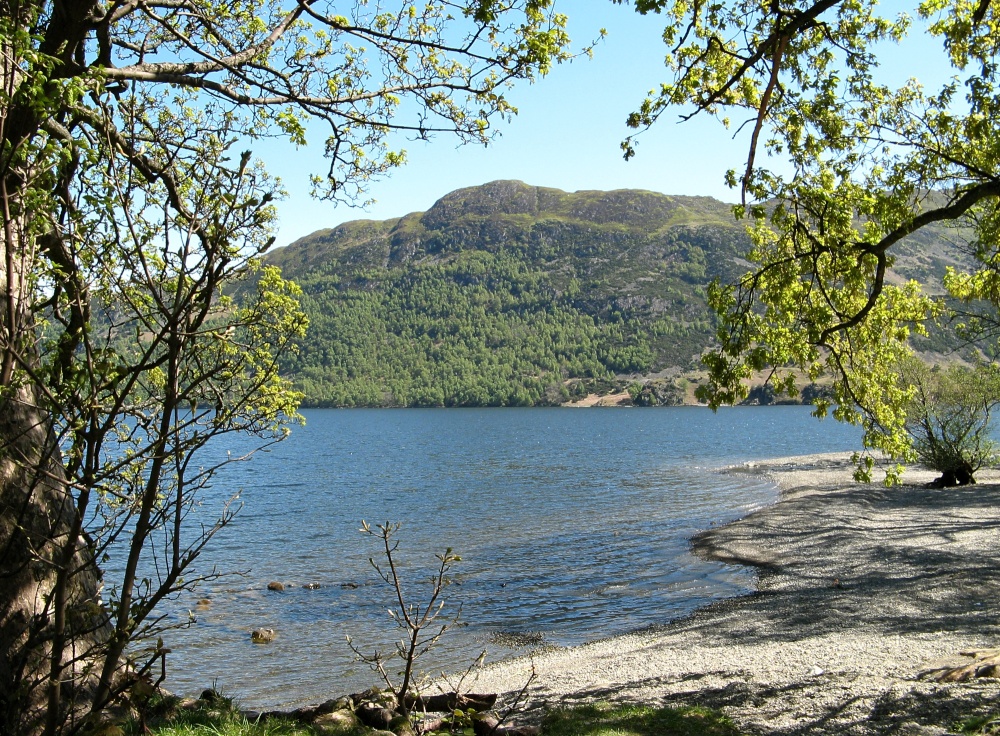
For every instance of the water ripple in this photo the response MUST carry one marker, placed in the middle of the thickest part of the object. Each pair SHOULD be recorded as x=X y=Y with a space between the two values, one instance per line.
x=572 y=526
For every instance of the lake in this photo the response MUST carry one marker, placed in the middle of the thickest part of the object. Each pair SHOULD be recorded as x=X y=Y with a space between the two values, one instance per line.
x=572 y=524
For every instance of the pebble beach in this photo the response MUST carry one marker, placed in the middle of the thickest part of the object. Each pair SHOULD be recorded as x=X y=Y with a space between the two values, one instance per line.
x=861 y=592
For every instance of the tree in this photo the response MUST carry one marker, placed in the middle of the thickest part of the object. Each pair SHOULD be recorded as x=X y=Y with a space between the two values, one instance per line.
x=417 y=622
x=129 y=225
x=859 y=166
x=948 y=417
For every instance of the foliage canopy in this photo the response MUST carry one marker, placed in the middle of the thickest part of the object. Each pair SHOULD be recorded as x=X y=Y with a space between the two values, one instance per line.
x=856 y=165
x=130 y=211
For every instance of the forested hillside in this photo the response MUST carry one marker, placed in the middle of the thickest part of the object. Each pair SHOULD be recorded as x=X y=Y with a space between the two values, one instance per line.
x=508 y=294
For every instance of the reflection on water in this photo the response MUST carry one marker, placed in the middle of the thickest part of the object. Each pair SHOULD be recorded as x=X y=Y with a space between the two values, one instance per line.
x=573 y=525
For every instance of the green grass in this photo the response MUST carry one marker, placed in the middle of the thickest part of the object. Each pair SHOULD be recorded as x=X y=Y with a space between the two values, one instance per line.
x=980 y=725
x=601 y=719
x=223 y=719
x=236 y=727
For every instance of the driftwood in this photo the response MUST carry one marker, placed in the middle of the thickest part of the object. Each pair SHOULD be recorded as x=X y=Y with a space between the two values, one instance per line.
x=481 y=726
x=985 y=663
x=447 y=702
x=375 y=709
x=433 y=724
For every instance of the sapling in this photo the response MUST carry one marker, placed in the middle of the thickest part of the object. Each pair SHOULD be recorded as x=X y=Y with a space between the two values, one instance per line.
x=421 y=624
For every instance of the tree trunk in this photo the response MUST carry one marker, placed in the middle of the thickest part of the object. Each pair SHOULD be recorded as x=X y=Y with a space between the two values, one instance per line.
x=51 y=617
x=52 y=622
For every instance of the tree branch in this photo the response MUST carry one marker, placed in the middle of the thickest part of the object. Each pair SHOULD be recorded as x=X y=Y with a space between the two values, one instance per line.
x=765 y=100
x=168 y=71
x=799 y=22
x=950 y=212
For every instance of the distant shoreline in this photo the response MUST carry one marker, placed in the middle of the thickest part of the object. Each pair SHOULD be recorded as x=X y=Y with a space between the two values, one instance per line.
x=599 y=401
x=860 y=589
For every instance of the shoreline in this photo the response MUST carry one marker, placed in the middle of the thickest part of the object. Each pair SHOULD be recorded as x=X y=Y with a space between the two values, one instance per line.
x=859 y=590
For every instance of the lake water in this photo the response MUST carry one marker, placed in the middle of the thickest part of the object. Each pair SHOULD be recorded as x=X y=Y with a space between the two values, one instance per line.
x=573 y=525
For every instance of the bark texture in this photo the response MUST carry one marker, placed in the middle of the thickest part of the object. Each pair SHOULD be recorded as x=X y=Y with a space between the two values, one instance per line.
x=52 y=621
x=37 y=515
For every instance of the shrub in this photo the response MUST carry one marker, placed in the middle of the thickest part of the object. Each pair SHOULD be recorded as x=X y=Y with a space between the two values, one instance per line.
x=948 y=417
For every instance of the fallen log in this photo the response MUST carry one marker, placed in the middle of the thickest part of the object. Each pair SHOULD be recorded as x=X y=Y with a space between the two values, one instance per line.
x=490 y=726
x=433 y=724
x=447 y=702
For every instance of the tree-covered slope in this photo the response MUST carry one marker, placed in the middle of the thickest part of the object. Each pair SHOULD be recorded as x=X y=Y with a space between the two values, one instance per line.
x=508 y=294
x=505 y=294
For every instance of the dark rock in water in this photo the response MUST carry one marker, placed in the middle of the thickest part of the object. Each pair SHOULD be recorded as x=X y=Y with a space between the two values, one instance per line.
x=276 y=586
x=262 y=636
x=348 y=586
x=312 y=586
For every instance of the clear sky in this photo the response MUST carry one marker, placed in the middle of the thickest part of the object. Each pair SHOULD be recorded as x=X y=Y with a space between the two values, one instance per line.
x=566 y=135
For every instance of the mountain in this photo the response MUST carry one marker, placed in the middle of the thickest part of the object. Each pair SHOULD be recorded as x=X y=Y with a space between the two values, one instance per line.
x=509 y=294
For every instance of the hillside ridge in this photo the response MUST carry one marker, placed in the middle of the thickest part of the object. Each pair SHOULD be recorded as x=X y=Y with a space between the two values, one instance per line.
x=512 y=294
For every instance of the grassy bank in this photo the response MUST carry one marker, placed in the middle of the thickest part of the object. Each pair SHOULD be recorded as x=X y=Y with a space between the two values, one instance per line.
x=223 y=718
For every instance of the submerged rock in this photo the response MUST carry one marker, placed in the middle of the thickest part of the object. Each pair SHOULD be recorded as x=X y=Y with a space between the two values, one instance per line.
x=262 y=636
x=516 y=639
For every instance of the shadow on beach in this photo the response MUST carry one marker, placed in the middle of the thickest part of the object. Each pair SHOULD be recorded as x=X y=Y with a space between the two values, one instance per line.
x=861 y=589
x=905 y=560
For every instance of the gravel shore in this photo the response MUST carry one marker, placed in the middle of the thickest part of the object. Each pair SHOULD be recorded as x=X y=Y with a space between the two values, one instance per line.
x=860 y=590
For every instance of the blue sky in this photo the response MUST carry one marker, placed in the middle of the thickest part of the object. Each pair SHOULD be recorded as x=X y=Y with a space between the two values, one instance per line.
x=566 y=135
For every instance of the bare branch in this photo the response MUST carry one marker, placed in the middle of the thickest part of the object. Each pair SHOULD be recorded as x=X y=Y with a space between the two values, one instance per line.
x=167 y=71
